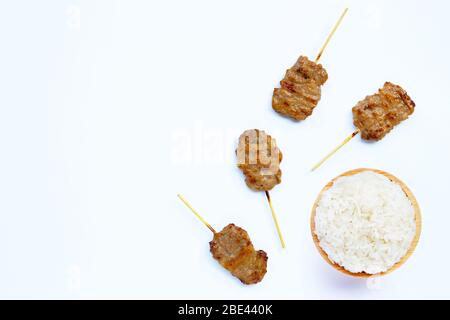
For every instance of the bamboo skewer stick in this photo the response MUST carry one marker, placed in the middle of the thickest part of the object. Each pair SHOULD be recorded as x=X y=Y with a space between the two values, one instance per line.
x=317 y=59
x=331 y=34
x=196 y=213
x=274 y=216
x=350 y=137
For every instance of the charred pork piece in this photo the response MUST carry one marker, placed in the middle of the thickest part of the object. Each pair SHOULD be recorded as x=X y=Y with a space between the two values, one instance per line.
x=379 y=113
x=300 y=89
x=234 y=250
x=259 y=159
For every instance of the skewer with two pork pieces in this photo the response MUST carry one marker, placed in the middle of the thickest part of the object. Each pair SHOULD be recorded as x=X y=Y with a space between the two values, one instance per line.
x=234 y=250
x=259 y=159
x=300 y=89
x=377 y=114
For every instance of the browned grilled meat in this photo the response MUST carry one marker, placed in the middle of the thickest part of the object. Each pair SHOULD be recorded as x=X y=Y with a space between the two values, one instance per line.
x=259 y=159
x=377 y=114
x=300 y=89
x=234 y=250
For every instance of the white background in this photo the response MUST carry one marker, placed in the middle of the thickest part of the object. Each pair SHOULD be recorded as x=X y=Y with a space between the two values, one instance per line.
x=108 y=109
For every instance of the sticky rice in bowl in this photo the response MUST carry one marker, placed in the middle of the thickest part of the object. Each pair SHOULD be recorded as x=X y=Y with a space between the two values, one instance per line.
x=365 y=222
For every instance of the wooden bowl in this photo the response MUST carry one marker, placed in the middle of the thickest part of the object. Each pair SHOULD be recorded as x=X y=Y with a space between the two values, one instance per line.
x=418 y=219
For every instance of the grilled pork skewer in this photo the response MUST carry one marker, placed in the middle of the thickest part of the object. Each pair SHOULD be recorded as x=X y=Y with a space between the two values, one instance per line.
x=377 y=114
x=259 y=159
x=300 y=89
x=234 y=250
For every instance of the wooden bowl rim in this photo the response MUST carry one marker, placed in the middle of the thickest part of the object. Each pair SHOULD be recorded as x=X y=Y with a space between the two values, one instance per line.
x=417 y=216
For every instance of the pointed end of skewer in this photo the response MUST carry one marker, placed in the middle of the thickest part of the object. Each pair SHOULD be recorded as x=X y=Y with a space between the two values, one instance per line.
x=317 y=165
